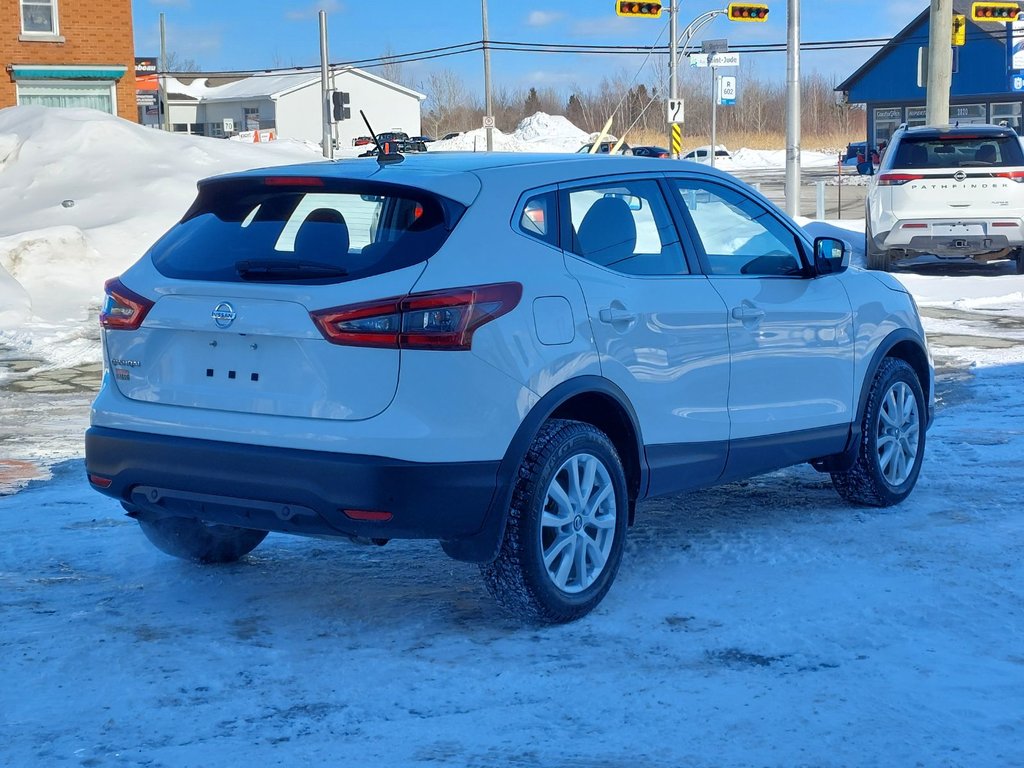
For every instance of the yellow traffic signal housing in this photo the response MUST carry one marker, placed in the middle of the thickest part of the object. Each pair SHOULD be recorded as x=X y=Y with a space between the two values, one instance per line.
x=748 y=12
x=997 y=12
x=645 y=10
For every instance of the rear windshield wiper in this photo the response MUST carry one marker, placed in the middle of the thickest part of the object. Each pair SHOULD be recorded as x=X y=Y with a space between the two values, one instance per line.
x=286 y=269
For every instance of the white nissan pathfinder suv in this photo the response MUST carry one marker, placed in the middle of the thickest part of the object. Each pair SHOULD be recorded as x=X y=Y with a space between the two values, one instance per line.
x=948 y=191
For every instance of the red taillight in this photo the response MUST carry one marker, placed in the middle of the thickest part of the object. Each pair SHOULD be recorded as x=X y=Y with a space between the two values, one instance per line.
x=123 y=310
x=442 y=320
x=915 y=225
x=897 y=179
x=1017 y=176
x=1004 y=224
x=293 y=181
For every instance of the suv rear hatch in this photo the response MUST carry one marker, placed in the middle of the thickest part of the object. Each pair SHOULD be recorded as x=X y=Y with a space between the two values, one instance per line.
x=955 y=175
x=239 y=282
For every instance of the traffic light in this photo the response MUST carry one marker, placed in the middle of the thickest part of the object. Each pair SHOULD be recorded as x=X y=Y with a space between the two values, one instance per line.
x=998 y=12
x=646 y=10
x=341 y=111
x=748 y=12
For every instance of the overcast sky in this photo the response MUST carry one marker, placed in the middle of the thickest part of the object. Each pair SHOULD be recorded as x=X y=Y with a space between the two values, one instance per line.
x=251 y=34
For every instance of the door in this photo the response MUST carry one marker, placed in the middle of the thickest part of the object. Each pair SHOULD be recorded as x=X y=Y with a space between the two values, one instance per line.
x=660 y=329
x=790 y=333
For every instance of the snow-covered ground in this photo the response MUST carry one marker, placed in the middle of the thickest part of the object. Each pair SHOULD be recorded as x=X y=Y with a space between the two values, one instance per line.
x=764 y=623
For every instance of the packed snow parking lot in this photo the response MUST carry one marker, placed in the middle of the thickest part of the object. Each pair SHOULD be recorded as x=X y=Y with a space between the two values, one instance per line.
x=764 y=623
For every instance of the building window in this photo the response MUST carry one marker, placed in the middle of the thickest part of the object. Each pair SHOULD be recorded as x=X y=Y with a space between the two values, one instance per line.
x=251 y=118
x=96 y=95
x=39 y=17
x=1007 y=114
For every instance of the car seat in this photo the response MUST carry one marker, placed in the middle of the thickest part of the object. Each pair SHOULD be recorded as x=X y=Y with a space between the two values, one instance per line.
x=986 y=154
x=322 y=235
x=607 y=233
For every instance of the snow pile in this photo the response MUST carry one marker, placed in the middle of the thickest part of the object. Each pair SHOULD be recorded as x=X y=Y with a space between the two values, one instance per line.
x=476 y=141
x=542 y=132
x=84 y=194
x=750 y=159
x=539 y=132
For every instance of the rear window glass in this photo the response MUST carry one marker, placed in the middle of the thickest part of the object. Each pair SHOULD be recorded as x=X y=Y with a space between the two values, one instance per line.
x=251 y=231
x=958 y=152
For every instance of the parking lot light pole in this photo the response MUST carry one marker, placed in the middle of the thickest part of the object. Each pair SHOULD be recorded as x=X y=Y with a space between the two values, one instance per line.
x=487 y=74
x=793 y=108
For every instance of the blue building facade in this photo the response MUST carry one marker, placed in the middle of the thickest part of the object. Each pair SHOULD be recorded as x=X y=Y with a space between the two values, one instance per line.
x=986 y=86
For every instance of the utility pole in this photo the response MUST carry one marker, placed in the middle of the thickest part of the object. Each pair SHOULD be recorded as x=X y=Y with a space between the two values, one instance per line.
x=325 y=91
x=940 y=62
x=487 y=74
x=162 y=82
x=714 y=110
x=673 y=64
x=793 y=108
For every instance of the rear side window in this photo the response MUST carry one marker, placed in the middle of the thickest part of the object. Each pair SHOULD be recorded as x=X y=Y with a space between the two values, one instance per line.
x=539 y=218
x=958 y=151
x=256 y=230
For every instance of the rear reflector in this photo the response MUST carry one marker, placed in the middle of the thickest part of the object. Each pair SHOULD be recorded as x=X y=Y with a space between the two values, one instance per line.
x=100 y=482
x=123 y=310
x=439 y=320
x=1004 y=224
x=368 y=515
x=915 y=226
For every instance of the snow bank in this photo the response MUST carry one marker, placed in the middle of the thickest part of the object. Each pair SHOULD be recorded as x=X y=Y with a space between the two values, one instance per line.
x=539 y=132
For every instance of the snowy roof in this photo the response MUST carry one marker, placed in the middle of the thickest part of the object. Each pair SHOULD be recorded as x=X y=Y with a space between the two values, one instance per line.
x=268 y=85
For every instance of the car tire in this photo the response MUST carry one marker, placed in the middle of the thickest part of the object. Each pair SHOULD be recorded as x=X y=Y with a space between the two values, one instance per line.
x=566 y=526
x=198 y=541
x=892 y=439
x=874 y=257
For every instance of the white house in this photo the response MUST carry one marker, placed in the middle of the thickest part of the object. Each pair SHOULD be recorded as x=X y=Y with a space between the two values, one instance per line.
x=290 y=104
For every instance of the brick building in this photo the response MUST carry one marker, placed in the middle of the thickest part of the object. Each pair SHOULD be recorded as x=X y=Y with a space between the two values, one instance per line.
x=68 y=53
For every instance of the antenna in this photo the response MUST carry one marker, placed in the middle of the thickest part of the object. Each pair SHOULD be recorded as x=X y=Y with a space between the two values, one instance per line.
x=369 y=127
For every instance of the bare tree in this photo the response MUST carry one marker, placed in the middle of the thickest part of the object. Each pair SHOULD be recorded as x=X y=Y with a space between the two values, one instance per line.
x=178 y=63
x=392 y=69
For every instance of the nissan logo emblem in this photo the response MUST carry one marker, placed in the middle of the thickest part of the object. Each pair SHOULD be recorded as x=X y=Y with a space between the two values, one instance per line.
x=223 y=315
x=959 y=175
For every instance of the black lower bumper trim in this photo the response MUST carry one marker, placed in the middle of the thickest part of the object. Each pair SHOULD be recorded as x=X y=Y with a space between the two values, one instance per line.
x=290 y=490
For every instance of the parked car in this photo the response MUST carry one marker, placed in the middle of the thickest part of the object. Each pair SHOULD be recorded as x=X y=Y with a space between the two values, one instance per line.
x=403 y=147
x=951 y=192
x=452 y=135
x=392 y=136
x=360 y=141
x=606 y=147
x=703 y=154
x=651 y=152
x=319 y=349
x=423 y=139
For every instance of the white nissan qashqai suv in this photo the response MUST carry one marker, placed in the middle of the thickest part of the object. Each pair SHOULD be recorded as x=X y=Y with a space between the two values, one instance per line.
x=502 y=352
x=948 y=191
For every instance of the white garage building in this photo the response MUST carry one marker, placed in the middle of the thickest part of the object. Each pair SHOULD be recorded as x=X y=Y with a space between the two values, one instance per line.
x=290 y=104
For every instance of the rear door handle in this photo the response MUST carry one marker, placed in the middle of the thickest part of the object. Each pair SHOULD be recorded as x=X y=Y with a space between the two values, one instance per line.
x=747 y=313
x=614 y=315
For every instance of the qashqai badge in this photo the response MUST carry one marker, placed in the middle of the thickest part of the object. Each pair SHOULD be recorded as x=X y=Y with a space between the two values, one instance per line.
x=223 y=315
x=959 y=175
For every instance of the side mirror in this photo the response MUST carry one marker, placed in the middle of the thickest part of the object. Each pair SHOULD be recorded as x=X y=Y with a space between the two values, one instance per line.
x=831 y=256
x=867 y=168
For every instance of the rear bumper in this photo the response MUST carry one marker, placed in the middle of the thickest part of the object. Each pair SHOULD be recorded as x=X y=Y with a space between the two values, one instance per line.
x=952 y=238
x=289 y=490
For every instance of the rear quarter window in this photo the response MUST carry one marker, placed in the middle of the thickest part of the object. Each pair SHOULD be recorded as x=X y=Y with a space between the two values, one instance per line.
x=248 y=231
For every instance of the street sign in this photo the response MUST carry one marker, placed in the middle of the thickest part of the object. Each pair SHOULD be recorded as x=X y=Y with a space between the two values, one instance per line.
x=959 y=29
x=698 y=59
x=229 y=125
x=727 y=91
x=675 y=111
x=724 y=60
x=488 y=121
x=718 y=45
